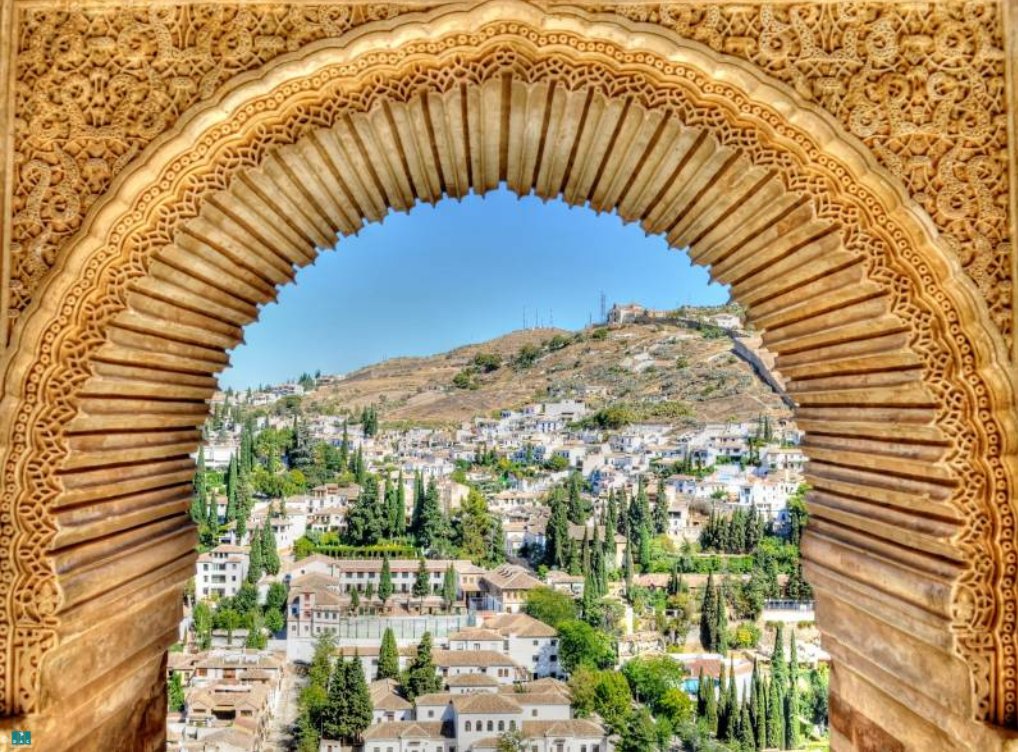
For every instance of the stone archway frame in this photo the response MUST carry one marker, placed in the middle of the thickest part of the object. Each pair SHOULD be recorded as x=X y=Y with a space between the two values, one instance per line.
x=887 y=348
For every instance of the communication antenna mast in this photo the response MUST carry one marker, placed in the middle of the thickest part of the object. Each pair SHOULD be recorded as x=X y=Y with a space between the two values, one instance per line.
x=604 y=313
x=524 y=318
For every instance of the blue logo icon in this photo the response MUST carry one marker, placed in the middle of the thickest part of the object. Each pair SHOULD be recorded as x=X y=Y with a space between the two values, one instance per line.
x=21 y=738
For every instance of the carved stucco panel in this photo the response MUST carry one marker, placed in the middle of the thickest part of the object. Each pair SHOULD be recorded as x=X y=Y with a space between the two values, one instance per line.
x=922 y=84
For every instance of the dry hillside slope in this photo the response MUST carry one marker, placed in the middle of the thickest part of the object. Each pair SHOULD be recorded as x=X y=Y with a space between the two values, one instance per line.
x=641 y=364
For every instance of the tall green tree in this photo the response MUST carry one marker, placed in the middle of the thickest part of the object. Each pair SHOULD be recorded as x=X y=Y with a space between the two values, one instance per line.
x=202 y=618
x=388 y=656
x=175 y=692
x=709 y=616
x=449 y=587
x=232 y=483
x=199 y=494
x=640 y=734
x=334 y=714
x=578 y=509
x=359 y=707
x=255 y=563
x=421 y=677
x=556 y=537
x=422 y=582
x=432 y=532
x=385 y=587
x=775 y=714
x=721 y=630
x=779 y=668
x=792 y=736
x=270 y=553
x=660 y=512
x=364 y=520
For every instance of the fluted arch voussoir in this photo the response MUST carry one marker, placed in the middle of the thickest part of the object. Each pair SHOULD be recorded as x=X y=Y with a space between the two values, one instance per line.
x=887 y=352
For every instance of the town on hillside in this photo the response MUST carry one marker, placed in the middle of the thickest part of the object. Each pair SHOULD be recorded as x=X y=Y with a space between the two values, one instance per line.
x=600 y=562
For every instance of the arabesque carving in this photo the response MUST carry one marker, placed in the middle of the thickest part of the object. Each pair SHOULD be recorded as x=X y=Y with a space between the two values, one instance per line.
x=922 y=84
x=887 y=347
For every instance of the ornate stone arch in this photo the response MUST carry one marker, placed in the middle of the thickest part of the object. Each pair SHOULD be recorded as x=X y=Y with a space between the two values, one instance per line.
x=889 y=352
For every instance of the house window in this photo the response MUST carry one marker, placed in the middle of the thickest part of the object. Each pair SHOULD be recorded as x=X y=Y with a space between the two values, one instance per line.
x=491 y=726
x=467 y=727
x=501 y=727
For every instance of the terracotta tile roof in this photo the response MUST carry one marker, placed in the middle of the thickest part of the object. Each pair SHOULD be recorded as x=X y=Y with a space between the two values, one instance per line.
x=539 y=686
x=486 y=703
x=471 y=680
x=581 y=727
x=512 y=577
x=520 y=625
x=485 y=658
x=542 y=698
x=477 y=634
x=436 y=698
x=408 y=730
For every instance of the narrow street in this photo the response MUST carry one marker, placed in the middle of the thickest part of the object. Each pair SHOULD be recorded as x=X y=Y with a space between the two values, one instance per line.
x=280 y=736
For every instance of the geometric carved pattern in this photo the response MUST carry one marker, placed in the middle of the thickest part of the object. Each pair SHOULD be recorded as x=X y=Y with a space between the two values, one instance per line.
x=849 y=284
x=922 y=84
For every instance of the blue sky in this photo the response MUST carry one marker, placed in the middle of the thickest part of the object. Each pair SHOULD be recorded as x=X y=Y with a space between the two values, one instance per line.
x=459 y=272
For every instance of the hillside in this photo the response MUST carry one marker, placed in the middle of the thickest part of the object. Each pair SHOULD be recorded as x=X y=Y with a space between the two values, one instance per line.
x=640 y=364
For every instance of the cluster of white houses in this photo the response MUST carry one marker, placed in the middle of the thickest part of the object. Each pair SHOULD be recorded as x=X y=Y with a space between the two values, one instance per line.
x=231 y=697
x=473 y=721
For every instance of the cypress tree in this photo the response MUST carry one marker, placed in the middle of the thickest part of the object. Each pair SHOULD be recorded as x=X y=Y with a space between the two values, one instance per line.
x=399 y=509
x=556 y=537
x=449 y=587
x=578 y=510
x=432 y=528
x=721 y=628
x=254 y=558
x=610 y=519
x=344 y=449
x=623 y=515
x=628 y=565
x=359 y=707
x=355 y=601
x=232 y=481
x=791 y=719
x=733 y=704
x=775 y=714
x=711 y=712
x=421 y=586
x=660 y=512
x=418 y=513
x=758 y=710
x=792 y=698
x=793 y=661
x=673 y=581
x=421 y=676
x=385 y=586
x=338 y=706
x=199 y=495
x=270 y=553
x=644 y=547
x=701 y=696
x=388 y=656
x=745 y=735
x=724 y=711
x=779 y=670
x=709 y=616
